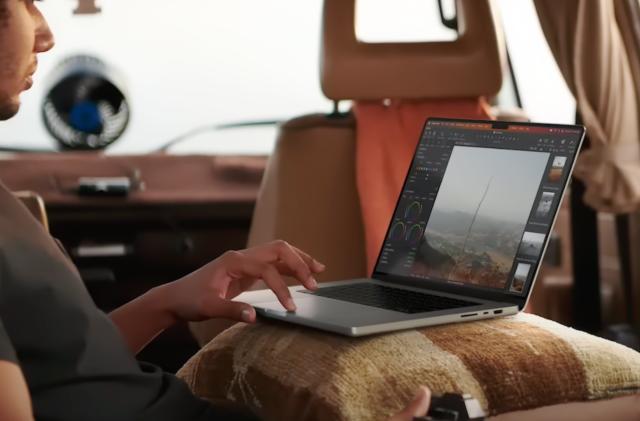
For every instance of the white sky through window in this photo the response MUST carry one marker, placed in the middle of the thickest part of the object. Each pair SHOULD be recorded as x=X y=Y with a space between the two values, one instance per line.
x=191 y=63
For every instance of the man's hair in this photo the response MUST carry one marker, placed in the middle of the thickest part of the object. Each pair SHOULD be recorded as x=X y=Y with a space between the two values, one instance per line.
x=4 y=12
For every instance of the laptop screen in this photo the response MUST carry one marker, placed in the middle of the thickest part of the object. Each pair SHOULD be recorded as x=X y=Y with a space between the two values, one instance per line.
x=478 y=203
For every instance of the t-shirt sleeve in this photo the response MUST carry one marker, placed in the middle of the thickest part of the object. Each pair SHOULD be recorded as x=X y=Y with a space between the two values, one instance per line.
x=7 y=353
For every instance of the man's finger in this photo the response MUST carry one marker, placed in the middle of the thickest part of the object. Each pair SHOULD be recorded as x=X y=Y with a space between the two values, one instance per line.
x=418 y=407
x=274 y=281
x=298 y=267
x=287 y=261
x=232 y=310
x=268 y=254
x=244 y=266
x=315 y=265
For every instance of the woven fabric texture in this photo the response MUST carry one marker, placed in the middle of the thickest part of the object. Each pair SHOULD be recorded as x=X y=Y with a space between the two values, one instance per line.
x=508 y=364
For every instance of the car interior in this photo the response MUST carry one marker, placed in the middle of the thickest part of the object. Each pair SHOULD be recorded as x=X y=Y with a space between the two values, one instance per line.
x=324 y=175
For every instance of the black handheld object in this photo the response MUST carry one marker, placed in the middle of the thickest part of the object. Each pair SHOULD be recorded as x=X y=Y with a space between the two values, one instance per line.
x=453 y=407
x=104 y=186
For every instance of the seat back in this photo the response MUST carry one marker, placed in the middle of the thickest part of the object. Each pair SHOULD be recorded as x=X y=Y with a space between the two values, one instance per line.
x=308 y=195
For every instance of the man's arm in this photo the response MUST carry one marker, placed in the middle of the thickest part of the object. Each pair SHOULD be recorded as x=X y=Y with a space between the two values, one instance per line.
x=15 y=402
x=144 y=318
x=207 y=292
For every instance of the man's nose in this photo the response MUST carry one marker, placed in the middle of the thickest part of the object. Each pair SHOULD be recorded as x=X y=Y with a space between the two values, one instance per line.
x=44 y=37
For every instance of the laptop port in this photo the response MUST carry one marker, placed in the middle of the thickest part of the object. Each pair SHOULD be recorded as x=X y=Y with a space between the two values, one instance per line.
x=469 y=315
x=497 y=311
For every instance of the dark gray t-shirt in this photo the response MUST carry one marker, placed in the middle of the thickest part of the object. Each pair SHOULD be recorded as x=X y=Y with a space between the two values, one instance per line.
x=74 y=359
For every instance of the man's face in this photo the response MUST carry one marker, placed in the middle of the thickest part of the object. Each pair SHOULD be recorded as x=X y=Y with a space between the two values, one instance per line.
x=23 y=34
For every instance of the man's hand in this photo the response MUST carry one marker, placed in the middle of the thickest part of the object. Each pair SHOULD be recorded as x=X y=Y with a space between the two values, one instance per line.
x=207 y=292
x=417 y=408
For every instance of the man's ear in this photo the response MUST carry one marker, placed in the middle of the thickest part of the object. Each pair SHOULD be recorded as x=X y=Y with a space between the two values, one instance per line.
x=87 y=7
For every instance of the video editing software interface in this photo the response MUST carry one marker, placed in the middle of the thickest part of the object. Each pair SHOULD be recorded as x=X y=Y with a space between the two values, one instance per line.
x=478 y=204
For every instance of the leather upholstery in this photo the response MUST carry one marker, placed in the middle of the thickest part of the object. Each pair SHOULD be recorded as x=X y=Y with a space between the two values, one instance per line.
x=309 y=198
x=470 y=66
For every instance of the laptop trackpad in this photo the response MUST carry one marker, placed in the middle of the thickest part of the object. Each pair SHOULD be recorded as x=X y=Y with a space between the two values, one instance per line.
x=331 y=311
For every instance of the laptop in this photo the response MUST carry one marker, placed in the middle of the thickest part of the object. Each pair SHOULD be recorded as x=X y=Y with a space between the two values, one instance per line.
x=467 y=236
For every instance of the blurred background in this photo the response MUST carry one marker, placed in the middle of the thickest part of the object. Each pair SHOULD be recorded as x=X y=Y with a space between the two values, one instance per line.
x=193 y=64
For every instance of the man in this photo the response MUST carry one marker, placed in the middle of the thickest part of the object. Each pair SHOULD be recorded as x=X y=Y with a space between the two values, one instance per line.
x=63 y=359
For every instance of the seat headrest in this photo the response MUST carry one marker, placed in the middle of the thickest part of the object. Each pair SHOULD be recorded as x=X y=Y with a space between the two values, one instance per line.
x=470 y=66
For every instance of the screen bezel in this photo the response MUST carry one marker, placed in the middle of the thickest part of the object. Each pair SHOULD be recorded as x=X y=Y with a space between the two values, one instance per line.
x=466 y=290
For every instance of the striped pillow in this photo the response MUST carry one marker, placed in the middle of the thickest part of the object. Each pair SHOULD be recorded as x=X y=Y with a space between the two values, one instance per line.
x=508 y=364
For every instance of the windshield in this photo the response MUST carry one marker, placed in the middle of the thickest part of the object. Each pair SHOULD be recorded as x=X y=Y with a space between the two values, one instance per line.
x=200 y=64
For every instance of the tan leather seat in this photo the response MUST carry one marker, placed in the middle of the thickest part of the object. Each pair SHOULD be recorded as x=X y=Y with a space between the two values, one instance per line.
x=308 y=196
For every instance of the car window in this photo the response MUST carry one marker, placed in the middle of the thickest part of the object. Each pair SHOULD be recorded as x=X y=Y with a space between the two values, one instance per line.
x=403 y=21
x=193 y=64
x=544 y=93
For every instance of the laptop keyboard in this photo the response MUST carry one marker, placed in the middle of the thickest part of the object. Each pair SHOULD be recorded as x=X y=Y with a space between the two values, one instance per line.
x=395 y=299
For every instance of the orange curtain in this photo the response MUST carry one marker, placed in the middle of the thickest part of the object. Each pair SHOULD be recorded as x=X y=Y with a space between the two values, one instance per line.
x=387 y=135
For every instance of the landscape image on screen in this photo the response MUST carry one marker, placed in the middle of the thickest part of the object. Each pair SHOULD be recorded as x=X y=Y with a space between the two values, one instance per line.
x=531 y=244
x=479 y=216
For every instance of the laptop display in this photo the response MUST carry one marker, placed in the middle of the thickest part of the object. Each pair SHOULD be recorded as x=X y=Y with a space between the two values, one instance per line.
x=478 y=204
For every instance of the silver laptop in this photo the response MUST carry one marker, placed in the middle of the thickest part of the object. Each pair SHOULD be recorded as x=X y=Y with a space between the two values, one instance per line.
x=467 y=236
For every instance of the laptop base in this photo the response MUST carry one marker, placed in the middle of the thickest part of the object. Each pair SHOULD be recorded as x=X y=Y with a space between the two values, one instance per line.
x=351 y=319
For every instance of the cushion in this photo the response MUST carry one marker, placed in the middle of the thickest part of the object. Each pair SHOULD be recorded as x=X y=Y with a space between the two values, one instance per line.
x=508 y=364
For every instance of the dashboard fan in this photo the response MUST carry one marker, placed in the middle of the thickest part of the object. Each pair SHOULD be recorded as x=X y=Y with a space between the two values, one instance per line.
x=85 y=106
